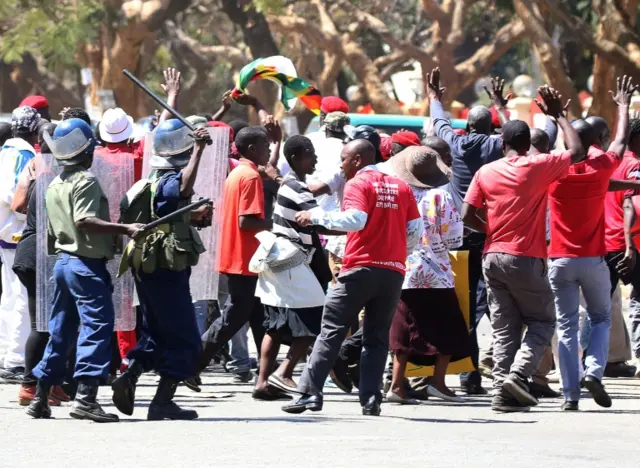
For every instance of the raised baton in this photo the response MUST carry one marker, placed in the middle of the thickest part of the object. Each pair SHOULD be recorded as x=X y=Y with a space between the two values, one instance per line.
x=160 y=102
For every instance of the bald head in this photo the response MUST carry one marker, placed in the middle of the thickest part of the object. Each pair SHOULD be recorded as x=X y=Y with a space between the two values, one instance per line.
x=602 y=134
x=479 y=120
x=356 y=155
x=540 y=142
x=440 y=146
x=586 y=132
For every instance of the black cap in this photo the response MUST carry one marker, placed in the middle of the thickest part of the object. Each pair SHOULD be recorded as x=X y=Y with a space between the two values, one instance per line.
x=516 y=134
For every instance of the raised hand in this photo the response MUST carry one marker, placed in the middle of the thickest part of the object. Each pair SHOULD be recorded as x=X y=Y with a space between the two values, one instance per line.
x=274 y=130
x=227 y=100
x=624 y=91
x=202 y=137
x=496 y=94
x=434 y=91
x=172 y=81
x=551 y=103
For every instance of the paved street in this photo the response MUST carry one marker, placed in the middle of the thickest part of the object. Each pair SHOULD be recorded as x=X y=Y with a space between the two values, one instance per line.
x=233 y=430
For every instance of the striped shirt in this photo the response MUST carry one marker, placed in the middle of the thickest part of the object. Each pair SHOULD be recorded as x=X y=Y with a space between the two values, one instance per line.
x=293 y=196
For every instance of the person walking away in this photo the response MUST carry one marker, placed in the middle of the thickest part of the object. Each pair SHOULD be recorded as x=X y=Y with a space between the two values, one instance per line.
x=576 y=256
x=513 y=193
x=428 y=327
x=290 y=286
x=382 y=220
x=161 y=262
x=82 y=234
x=14 y=310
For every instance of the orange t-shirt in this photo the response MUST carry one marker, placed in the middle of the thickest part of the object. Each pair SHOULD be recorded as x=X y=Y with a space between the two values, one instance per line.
x=243 y=195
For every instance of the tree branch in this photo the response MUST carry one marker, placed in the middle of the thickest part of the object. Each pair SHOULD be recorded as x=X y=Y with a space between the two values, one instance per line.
x=480 y=63
x=378 y=27
x=610 y=51
x=456 y=36
x=433 y=11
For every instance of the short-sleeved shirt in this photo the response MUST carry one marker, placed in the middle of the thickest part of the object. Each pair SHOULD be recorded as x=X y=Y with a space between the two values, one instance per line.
x=513 y=192
x=390 y=205
x=576 y=205
x=243 y=195
x=71 y=197
x=167 y=197
x=629 y=169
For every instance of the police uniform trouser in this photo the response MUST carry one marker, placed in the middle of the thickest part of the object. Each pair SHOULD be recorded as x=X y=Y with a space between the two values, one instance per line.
x=169 y=340
x=81 y=298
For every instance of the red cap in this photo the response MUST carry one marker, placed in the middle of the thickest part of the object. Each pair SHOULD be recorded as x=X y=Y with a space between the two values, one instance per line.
x=37 y=102
x=406 y=138
x=333 y=104
x=218 y=124
x=385 y=147
x=495 y=120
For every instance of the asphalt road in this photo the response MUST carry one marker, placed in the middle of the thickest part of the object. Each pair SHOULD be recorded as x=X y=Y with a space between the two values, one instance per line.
x=233 y=430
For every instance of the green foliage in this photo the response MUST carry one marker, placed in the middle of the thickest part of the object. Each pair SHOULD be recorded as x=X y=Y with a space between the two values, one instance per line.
x=46 y=28
x=269 y=6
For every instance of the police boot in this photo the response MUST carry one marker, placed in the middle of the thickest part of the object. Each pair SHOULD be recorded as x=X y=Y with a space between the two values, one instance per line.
x=124 y=388
x=163 y=407
x=39 y=406
x=86 y=406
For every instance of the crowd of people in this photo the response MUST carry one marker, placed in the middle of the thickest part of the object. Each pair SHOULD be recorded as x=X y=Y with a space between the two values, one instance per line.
x=338 y=244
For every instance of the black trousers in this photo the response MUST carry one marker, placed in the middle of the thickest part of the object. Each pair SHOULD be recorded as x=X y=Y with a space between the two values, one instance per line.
x=242 y=307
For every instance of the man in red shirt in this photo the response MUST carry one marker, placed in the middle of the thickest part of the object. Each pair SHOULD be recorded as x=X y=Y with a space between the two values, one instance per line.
x=576 y=256
x=380 y=215
x=513 y=193
x=243 y=217
x=621 y=250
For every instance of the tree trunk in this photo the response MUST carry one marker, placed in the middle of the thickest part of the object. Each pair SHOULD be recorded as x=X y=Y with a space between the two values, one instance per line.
x=547 y=53
x=258 y=38
x=605 y=73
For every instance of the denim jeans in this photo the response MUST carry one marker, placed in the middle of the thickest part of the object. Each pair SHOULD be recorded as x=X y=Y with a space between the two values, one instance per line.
x=567 y=276
x=82 y=291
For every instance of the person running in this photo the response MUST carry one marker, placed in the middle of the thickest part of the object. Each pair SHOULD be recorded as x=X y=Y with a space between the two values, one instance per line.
x=161 y=263
x=290 y=286
x=79 y=224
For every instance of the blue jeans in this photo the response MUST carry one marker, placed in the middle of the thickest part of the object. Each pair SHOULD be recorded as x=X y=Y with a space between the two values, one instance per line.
x=81 y=298
x=567 y=276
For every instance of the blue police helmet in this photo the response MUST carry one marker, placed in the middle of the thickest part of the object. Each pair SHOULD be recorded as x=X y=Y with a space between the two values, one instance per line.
x=72 y=142
x=173 y=145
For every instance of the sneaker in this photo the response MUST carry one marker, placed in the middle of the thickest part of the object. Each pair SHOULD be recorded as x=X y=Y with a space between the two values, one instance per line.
x=518 y=387
x=15 y=375
x=619 y=369
x=504 y=403
x=485 y=371
x=599 y=394
x=474 y=389
x=569 y=406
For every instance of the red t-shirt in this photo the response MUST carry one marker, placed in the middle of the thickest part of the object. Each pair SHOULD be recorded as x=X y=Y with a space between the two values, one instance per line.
x=629 y=169
x=513 y=191
x=135 y=149
x=243 y=195
x=390 y=205
x=576 y=205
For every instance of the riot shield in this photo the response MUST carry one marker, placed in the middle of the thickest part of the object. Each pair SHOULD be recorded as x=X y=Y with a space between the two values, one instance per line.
x=114 y=171
x=46 y=171
x=212 y=173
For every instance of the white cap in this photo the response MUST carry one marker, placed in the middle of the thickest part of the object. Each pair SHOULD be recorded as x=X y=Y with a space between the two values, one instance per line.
x=116 y=126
